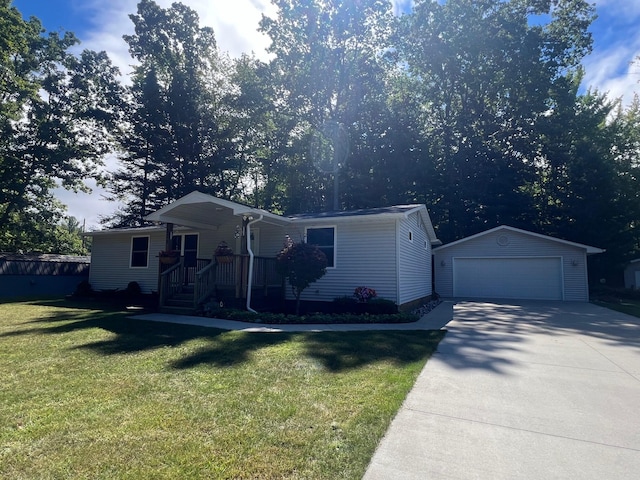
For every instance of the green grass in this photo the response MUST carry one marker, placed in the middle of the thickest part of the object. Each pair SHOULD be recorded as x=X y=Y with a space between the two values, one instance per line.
x=88 y=393
x=628 y=306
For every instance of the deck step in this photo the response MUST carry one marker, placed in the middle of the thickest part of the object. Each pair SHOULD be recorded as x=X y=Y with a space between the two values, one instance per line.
x=182 y=296
x=180 y=302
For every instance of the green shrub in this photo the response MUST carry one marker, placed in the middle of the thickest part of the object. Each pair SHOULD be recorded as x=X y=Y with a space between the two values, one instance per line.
x=302 y=264
x=381 y=306
x=133 y=289
x=84 y=289
x=213 y=310
x=345 y=305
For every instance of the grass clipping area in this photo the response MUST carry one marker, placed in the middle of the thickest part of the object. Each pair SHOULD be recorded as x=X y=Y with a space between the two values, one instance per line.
x=88 y=393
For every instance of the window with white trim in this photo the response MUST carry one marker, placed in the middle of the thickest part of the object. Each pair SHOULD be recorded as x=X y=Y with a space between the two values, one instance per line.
x=187 y=245
x=139 y=252
x=325 y=239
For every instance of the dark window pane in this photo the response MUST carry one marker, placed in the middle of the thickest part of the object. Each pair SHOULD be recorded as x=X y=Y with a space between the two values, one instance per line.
x=139 y=251
x=191 y=242
x=320 y=236
x=140 y=243
x=328 y=251
x=324 y=239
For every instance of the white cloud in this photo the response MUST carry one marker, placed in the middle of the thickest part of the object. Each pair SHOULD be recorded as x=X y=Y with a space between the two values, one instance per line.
x=613 y=72
x=235 y=24
x=616 y=44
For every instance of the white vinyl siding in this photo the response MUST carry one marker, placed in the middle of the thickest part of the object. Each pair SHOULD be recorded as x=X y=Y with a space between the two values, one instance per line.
x=271 y=239
x=520 y=244
x=111 y=262
x=365 y=256
x=414 y=260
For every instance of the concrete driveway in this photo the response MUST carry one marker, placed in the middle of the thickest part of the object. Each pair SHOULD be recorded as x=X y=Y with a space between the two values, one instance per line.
x=522 y=391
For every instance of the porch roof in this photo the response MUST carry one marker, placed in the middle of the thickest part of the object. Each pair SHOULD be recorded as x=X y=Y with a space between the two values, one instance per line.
x=199 y=210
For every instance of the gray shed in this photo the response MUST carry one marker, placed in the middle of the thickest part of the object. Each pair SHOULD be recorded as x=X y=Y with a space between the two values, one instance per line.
x=510 y=263
x=41 y=274
x=632 y=274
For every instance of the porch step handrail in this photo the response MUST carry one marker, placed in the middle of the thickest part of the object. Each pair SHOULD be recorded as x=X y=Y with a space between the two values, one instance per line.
x=205 y=282
x=171 y=282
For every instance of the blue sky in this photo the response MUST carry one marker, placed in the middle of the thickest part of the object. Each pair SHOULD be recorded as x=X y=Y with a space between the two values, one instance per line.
x=100 y=24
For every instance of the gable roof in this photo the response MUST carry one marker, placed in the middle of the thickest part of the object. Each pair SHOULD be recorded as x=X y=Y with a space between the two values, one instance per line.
x=589 y=249
x=203 y=211
x=396 y=211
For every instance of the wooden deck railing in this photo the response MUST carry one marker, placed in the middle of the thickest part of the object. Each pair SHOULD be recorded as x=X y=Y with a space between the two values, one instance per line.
x=204 y=283
x=171 y=281
x=208 y=275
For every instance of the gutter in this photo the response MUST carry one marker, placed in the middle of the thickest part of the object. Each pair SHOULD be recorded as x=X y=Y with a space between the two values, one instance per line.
x=251 y=256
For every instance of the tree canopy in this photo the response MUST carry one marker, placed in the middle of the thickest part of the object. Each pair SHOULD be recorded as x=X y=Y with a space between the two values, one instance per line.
x=57 y=112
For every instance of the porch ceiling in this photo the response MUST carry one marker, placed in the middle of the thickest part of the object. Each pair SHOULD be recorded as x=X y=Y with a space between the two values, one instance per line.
x=199 y=210
x=198 y=215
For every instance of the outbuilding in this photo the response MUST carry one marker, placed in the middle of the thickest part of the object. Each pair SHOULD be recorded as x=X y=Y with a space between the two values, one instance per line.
x=632 y=274
x=510 y=263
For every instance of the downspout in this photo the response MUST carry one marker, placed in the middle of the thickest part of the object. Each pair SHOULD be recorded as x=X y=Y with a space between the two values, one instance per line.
x=398 y=273
x=250 y=250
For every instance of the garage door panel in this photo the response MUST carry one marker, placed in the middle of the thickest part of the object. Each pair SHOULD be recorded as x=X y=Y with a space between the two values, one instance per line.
x=538 y=278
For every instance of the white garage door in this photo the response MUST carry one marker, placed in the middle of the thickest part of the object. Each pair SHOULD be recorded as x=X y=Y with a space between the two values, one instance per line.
x=535 y=278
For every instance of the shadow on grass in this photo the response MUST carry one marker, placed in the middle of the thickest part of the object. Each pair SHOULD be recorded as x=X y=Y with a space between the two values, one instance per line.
x=347 y=350
x=336 y=351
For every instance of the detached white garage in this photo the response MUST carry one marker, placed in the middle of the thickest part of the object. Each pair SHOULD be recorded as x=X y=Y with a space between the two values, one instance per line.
x=510 y=263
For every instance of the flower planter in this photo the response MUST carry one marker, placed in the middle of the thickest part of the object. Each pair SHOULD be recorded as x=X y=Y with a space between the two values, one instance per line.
x=168 y=260
x=224 y=259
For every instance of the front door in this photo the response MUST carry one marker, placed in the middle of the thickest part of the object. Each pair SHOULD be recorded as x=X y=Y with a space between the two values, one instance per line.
x=187 y=245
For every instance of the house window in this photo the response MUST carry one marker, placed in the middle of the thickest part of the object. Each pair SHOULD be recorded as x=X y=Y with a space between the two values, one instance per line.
x=187 y=245
x=140 y=252
x=325 y=239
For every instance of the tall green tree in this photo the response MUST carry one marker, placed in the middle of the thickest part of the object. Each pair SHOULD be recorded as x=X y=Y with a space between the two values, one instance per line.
x=587 y=183
x=484 y=72
x=178 y=138
x=57 y=115
x=328 y=66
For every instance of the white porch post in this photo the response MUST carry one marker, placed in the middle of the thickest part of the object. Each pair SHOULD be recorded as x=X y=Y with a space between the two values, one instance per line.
x=250 y=250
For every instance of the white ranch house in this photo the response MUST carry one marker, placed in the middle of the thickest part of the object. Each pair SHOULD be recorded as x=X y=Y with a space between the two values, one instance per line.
x=388 y=249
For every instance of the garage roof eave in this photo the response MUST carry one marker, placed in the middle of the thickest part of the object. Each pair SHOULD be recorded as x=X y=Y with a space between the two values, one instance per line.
x=588 y=249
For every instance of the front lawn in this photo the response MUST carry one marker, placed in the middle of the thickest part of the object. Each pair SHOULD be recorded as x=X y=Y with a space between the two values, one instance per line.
x=89 y=393
x=628 y=306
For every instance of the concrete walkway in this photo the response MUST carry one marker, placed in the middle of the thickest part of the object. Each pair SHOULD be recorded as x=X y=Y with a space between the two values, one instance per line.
x=434 y=320
x=522 y=391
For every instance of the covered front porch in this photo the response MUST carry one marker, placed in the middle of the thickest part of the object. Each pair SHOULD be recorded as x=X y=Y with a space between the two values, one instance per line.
x=192 y=269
